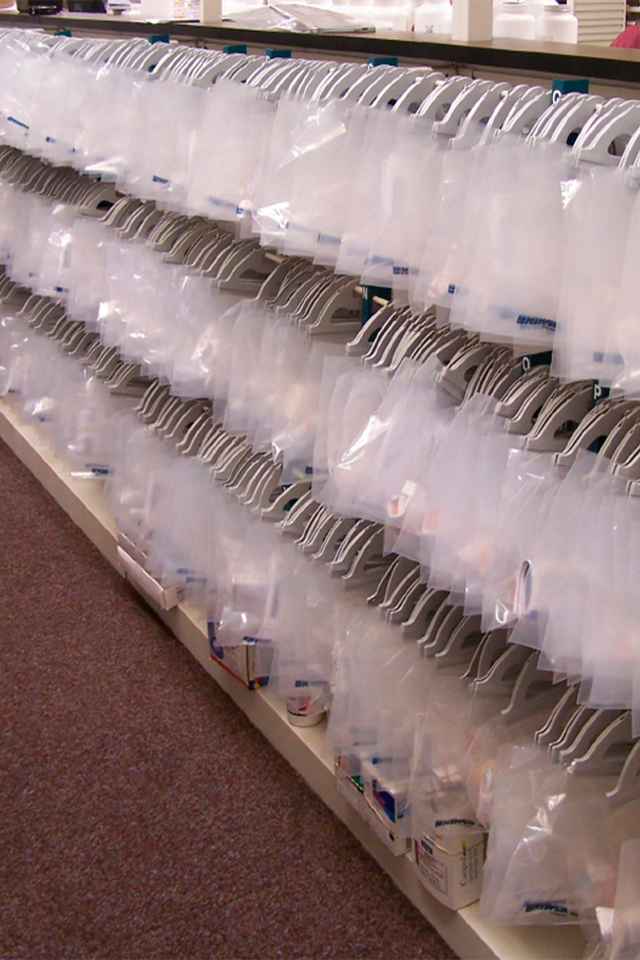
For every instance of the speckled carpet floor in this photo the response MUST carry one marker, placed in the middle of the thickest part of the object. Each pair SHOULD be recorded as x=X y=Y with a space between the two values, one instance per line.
x=141 y=815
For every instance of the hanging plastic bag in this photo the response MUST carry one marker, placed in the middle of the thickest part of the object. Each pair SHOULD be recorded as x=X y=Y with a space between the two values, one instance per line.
x=233 y=135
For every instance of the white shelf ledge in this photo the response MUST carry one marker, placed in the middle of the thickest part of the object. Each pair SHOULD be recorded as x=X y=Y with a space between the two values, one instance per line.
x=304 y=749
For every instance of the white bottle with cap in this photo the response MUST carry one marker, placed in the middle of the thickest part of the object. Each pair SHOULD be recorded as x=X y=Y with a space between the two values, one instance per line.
x=557 y=23
x=514 y=21
x=434 y=16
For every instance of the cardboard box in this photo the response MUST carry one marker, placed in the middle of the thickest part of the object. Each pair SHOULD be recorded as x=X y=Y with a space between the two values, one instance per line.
x=386 y=807
x=164 y=597
x=249 y=661
x=348 y=780
x=449 y=857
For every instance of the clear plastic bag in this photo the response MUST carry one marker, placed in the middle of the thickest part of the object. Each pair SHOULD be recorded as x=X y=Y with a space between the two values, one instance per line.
x=526 y=878
x=172 y=116
x=195 y=337
x=516 y=275
x=554 y=844
x=410 y=191
x=325 y=153
x=598 y=225
x=357 y=420
x=233 y=135
x=445 y=241
x=487 y=200
x=622 y=329
x=180 y=549
x=328 y=441
x=105 y=143
x=363 y=211
x=523 y=506
x=419 y=409
x=625 y=940
x=445 y=470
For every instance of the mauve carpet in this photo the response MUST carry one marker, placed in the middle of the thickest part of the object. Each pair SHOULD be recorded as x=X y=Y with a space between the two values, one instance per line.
x=141 y=815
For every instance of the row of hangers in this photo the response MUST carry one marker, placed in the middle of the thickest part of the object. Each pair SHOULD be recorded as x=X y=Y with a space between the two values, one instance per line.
x=604 y=129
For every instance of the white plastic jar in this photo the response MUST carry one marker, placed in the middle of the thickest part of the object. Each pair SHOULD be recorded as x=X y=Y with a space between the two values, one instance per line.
x=514 y=21
x=557 y=23
x=434 y=16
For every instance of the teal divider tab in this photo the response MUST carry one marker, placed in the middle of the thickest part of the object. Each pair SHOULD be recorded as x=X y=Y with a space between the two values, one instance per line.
x=277 y=53
x=530 y=360
x=382 y=61
x=368 y=306
x=561 y=85
x=235 y=48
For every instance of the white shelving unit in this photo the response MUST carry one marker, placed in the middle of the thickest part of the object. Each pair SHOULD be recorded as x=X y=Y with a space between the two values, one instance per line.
x=304 y=749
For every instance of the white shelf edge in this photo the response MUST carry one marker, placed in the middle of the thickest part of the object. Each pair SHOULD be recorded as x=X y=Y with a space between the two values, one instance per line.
x=467 y=933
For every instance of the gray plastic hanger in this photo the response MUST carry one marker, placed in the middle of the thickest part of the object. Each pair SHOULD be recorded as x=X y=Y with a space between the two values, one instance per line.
x=463 y=641
x=616 y=122
x=559 y=417
x=314 y=529
x=404 y=83
x=389 y=582
x=575 y=723
x=389 y=335
x=624 y=439
x=412 y=589
x=503 y=673
x=596 y=424
x=353 y=543
x=444 y=620
x=266 y=490
x=594 y=725
x=283 y=503
x=297 y=517
x=415 y=95
x=562 y=712
x=245 y=272
x=315 y=535
x=369 y=561
x=524 y=115
x=201 y=427
x=464 y=103
x=420 y=333
x=339 y=82
x=301 y=301
x=492 y=645
x=337 y=313
x=514 y=99
x=361 y=343
x=455 y=377
x=627 y=787
x=607 y=752
x=416 y=625
x=435 y=106
x=533 y=690
x=523 y=401
x=243 y=482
